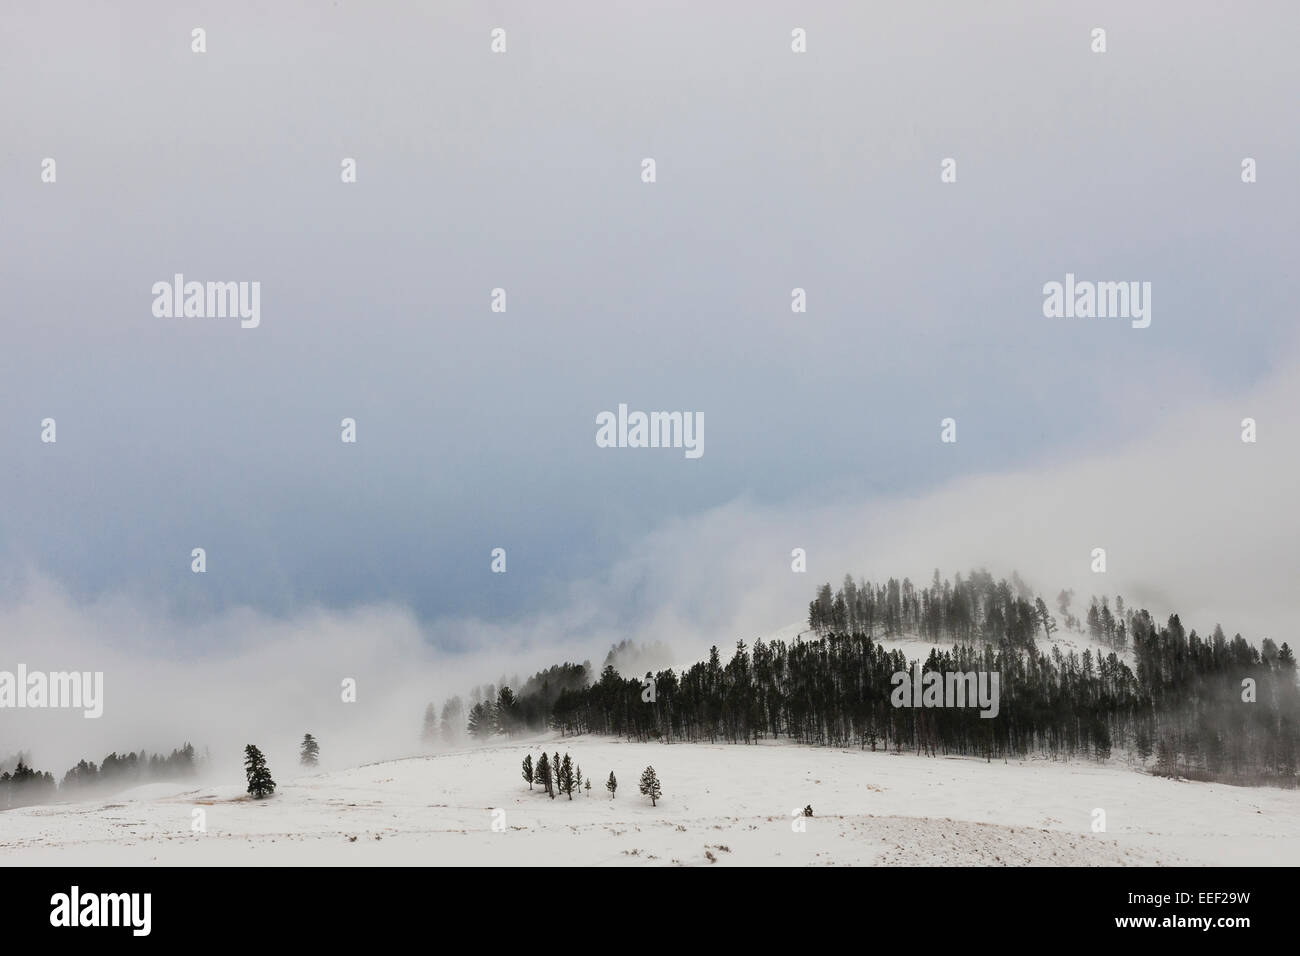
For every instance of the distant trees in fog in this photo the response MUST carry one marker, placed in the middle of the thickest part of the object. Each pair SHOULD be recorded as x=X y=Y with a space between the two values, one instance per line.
x=27 y=786
x=24 y=786
x=1207 y=707
x=1212 y=708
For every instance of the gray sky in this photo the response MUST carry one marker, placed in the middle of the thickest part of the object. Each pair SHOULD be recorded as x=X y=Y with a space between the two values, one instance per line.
x=775 y=170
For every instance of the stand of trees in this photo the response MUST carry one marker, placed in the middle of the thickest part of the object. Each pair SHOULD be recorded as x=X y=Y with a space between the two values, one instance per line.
x=1210 y=708
x=504 y=711
x=555 y=775
x=25 y=786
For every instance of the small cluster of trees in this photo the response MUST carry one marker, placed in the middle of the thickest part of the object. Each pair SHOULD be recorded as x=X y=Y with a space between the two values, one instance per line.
x=495 y=716
x=507 y=707
x=553 y=773
x=25 y=786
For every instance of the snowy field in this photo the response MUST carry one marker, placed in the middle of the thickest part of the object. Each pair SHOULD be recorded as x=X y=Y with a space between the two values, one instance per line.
x=722 y=805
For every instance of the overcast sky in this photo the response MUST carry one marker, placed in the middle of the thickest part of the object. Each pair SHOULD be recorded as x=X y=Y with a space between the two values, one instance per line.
x=522 y=170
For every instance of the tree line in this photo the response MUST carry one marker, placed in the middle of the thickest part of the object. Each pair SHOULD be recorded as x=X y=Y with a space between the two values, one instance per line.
x=26 y=786
x=1203 y=707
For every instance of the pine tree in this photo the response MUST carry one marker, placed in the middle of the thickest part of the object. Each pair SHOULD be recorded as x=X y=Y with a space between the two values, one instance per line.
x=482 y=720
x=1143 y=741
x=1166 y=758
x=260 y=783
x=544 y=775
x=650 y=785
x=588 y=787
x=452 y=720
x=1045 y=618
x=507 y=712
x=430 y=733
x=528 y=770
x=611 y=785
x=310 y=751
x=566 y=776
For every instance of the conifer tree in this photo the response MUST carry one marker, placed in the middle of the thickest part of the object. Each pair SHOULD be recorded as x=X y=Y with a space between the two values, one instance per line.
x=260 y=783
x=544 y=775
x=528 y=770
x=452 y=720
x=310 y=751
x=482 y=720
x=611 y=785
x=506 y=712
x=566 y=776
x=430 y=733
x=650 y=785
x=1166 y=758
x=588 y=787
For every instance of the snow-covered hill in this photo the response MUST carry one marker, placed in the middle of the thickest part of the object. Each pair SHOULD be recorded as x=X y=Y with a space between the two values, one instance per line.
x=731 y=803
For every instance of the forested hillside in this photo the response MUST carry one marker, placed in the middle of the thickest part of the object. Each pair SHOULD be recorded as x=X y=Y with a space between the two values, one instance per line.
x=1208 y=708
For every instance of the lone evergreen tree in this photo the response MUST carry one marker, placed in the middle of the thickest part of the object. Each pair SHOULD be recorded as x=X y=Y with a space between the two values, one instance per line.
x=650 y=785
x=528 y=770
x=260 y=783
x=611 y=785
x=588 y=788
x=310 y=751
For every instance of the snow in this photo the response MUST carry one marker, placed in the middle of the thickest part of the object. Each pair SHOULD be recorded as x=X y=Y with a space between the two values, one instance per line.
x=731 y=802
